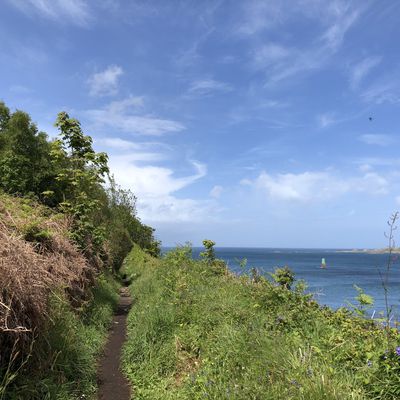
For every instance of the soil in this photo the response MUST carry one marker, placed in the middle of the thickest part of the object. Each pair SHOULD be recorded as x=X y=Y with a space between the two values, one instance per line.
x=111 y=382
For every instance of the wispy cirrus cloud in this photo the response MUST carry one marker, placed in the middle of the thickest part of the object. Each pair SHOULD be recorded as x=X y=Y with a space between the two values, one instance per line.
x=343 y=17
x=326 y=119
x=132 y=151
x=282 y=60
x=360 y=70
x=105 y=83
x=207 y=87
x=385 y=89
x=269 y=54
x=117 y=143
x=377 y=139
x=76 y=12
x=128 y=116
x=259 y=15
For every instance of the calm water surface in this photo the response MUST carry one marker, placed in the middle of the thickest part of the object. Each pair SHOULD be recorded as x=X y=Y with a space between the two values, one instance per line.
x=332 y=286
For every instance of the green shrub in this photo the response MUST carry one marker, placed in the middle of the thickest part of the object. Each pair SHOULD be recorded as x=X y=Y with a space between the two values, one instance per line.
x=283 y=277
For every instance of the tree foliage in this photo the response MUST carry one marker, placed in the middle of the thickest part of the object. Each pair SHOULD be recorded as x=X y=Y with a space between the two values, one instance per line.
x=67 y=174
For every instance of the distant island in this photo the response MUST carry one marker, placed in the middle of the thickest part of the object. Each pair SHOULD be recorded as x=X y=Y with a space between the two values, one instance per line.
x=371 y=251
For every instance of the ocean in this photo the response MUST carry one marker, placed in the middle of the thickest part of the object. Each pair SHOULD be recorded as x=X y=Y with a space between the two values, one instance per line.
x=333 y=286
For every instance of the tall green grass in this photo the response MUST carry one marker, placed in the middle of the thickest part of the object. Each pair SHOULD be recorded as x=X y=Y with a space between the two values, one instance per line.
x=63 y=362
x=196 y=331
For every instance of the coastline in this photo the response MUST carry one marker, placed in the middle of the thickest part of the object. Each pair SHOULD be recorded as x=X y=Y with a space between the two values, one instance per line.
x=371 y=251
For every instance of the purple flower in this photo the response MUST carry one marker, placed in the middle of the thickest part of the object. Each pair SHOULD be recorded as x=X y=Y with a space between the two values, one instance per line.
x=398 y=351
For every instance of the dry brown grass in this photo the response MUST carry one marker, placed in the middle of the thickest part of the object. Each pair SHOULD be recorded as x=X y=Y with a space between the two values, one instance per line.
x=31 y=270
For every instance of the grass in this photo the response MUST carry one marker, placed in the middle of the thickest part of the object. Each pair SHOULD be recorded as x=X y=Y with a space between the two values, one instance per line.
x=63 y=362
x=55 y=308
x=198 y=332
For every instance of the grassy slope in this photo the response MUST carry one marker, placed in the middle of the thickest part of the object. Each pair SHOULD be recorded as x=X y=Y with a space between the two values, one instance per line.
x=62 y=361
x=197 y=333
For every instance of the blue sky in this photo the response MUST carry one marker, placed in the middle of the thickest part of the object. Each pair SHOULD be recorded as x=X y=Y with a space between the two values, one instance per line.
x=247 y=122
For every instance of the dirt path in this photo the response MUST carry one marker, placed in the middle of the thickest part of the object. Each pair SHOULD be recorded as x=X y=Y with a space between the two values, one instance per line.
x=112 y=384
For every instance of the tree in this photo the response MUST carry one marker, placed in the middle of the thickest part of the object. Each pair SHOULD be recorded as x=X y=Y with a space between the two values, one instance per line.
x=208 y=254
x=81 y=174
x=24 y=154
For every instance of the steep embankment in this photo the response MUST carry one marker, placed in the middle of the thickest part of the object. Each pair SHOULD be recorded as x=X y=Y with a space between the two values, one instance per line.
x=55 y=306
x=196 y=331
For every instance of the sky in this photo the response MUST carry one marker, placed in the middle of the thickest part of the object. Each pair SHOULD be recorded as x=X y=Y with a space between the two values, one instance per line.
x=254 y=123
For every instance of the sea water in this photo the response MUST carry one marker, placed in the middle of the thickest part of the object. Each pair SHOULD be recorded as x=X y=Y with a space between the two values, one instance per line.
x=332 y=286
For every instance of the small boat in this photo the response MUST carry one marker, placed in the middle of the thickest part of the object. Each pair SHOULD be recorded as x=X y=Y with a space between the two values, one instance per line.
x=323 y=263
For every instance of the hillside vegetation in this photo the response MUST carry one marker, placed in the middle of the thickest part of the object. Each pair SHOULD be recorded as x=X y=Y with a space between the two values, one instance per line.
x=199 y=332
x=55 y=307
x=65 y=228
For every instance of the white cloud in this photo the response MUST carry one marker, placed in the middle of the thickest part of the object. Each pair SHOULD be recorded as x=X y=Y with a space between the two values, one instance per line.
x=362 y=69
x=305 y=186
x=152 y=181
x=379 y=161
x=73 y=11
x=365 y=167
x=105 y=83
x=216 y=191
x=372 y=183
x=130 y=103
x=325 y=120
x=127 y=116
x=176 y=210
x=269 y=54
x=20 y=89
x=204 y=87
x=117 y=143
x=379 y=140
x=345 y=19
x=259 y=15
x=133 y=152
x=156 y=187
x=281 y=61
x=316 y=186
x=273 y=104
x=384 y=90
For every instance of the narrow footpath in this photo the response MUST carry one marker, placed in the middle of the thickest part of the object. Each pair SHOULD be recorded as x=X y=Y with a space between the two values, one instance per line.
x=112 y=383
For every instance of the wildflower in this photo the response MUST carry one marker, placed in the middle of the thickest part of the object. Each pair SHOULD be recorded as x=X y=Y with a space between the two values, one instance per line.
x=398 y=351
x=369 y=363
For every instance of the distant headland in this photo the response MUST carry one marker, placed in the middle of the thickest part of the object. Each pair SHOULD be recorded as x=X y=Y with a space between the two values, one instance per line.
x=372 y=251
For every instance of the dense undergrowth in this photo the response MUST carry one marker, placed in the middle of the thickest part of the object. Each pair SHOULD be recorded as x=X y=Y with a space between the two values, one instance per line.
x=63 y=361
x=55 y=307
x=197 y=331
